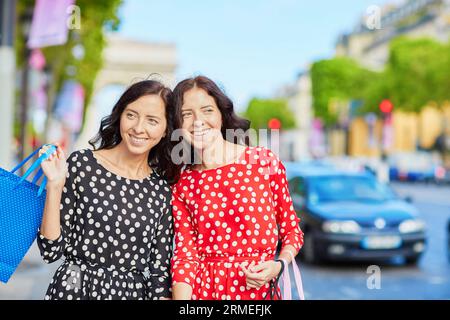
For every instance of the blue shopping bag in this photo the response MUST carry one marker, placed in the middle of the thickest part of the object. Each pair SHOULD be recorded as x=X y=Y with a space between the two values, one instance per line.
x=21 y=208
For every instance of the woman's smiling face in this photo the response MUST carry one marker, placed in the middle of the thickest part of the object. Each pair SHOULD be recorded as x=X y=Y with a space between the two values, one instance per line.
x=143 y=123
x=202 y=120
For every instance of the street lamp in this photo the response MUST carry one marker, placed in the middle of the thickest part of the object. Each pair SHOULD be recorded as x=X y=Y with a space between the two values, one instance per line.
x=25 y=20
x=7 y=75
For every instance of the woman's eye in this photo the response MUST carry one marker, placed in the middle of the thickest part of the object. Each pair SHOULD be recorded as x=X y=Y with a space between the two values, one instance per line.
x=130 y=115
x=209 y=110
x=184 y=115
x=153 y=121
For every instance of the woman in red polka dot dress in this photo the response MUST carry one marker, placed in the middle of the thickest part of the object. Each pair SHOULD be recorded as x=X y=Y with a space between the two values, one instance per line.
x=230 y=207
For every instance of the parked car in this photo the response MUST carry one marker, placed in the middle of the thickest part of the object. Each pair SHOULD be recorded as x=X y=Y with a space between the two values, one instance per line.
x=416 y=166
x=352 y=216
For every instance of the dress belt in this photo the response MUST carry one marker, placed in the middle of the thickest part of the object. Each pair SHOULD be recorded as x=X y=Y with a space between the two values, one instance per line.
x=110 y=270
x=236 y=258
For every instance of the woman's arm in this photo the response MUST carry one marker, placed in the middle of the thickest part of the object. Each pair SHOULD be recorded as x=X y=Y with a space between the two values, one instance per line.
x=182 y=291
x=51 y=225
x=60 y=206
x=160 y=256
x=185 y=261
x=55 y=169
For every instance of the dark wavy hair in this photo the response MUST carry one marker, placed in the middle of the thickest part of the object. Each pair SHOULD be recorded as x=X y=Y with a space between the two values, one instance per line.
x=230 y=120
x=109 y=136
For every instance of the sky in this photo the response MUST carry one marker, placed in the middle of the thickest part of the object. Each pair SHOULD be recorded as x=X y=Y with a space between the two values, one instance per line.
x=250 y=48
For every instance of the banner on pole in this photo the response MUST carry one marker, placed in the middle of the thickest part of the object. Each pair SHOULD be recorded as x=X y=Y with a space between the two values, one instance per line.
x=49 y=25
x=70 y=105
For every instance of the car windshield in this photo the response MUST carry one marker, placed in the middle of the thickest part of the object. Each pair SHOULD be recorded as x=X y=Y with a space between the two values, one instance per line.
x=347 y=188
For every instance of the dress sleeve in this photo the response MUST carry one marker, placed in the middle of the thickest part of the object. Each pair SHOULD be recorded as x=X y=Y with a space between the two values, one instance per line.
x=52 y=250
x=160 y=256
x=185 y=261
x=287 y=219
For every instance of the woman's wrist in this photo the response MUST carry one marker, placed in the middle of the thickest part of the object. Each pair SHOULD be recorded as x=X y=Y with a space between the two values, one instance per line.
x=56 y=185
x=278 y=267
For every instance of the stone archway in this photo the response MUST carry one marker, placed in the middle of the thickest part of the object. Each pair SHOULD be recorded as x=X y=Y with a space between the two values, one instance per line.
x=125 y=62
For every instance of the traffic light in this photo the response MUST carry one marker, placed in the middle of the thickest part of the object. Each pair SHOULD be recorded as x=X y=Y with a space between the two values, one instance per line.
x=386 y=106
x=274 y=124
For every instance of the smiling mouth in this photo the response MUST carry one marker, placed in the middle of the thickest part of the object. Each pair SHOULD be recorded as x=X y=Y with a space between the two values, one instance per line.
x=136 y=140
x=200 y=133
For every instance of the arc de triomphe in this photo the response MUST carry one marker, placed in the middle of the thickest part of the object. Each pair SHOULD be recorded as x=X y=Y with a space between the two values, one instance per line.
x=125 y=62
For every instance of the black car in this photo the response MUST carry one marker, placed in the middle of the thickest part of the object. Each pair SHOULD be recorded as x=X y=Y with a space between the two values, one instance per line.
x=351 y=216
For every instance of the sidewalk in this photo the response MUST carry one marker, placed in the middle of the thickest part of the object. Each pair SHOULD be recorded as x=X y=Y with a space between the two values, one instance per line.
x=31 y=279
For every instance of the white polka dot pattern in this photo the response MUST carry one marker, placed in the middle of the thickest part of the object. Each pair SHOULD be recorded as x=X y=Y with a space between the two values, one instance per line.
x=228 y=215
x=116 y=235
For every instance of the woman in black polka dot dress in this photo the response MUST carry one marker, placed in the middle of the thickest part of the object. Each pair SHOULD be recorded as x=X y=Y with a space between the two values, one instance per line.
x=108 y=211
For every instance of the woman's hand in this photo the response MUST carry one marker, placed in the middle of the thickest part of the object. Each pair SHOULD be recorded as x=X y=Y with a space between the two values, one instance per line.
x=258 y=276
x=55 y=167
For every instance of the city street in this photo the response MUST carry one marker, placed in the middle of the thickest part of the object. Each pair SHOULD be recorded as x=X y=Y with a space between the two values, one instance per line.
x=430 y=279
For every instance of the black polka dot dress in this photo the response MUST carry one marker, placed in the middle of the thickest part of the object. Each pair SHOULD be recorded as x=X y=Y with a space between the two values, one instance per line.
x=116 y=235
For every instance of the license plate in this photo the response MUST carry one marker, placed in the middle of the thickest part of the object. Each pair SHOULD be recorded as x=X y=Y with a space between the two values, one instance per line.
x=382 y=242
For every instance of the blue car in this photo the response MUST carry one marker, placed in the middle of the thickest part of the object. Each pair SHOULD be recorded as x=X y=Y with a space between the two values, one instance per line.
x=351 y=216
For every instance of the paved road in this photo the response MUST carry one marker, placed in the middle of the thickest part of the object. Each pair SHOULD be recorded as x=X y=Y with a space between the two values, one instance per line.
x=430 y=279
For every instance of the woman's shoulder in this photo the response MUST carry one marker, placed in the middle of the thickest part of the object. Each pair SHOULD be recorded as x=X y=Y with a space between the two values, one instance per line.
x=79 y=155
x=81 y=160
x=160 y=179
x=262 y=155
x=186 y=177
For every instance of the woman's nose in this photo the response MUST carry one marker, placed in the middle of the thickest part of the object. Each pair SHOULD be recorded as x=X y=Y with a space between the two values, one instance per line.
x=198 y=123
x=139 y=127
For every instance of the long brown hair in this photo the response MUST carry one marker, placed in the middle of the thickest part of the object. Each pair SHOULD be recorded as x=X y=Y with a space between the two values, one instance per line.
x=109 y=136
x=230 y=120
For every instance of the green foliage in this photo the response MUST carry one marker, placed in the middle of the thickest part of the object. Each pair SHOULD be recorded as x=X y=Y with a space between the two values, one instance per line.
x=417 y=70
x=260 y=111
x=96 y=18
x=339 y=79
x=415 y=74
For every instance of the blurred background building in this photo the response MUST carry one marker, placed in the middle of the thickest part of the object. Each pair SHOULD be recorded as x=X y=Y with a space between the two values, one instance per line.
x=63 y=67
x=369 y=44
x=363 y=130
x=125 y=62
x=376 y=97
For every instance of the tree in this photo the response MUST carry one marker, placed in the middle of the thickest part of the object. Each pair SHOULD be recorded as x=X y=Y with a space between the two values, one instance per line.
x=338 y=79
x=260 y=111
x=418 y=72
x=96 y=18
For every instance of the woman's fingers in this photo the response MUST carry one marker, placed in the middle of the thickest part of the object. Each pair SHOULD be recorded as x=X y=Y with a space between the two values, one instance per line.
x=58 y=154
x=255 y=284
x=253 y=279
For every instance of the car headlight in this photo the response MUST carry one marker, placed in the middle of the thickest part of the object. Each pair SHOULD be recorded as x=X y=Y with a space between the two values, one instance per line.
x=411 y=225
x=341 y=226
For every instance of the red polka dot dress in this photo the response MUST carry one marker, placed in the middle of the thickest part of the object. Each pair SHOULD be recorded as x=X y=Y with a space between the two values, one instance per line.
x=228 y=215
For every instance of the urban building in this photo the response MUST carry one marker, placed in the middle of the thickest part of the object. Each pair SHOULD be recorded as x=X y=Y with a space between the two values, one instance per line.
x=125 y=61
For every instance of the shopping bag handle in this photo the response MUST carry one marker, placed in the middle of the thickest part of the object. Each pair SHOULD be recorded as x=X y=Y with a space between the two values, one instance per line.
x=33 y=167
x=287 y=280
